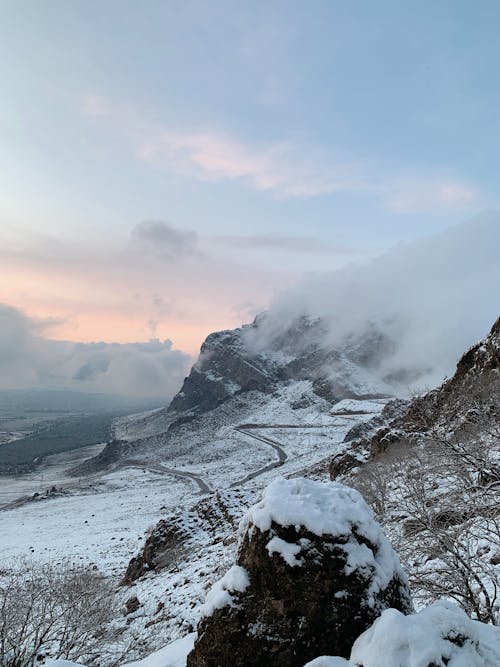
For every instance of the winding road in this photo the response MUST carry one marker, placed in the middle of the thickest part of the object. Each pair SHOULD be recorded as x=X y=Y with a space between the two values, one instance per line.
x=247 y=430
x=203 y=486
x=157 y=467
x=282 y=457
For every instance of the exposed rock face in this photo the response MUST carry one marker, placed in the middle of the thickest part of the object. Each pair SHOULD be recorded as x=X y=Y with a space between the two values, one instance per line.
x=260 y=357
x=313 y=571
x=172 y=537
x=360 y=439
x=163 y=546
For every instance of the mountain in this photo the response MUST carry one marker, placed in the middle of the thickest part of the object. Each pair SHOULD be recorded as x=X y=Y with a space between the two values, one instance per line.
x=410 y=471
x=258 y=372
x=191 y=471
x=252 y=358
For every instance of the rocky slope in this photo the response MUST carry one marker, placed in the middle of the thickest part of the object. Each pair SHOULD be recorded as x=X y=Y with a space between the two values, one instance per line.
x=431 y=470
x=471 y=395
x=465 y=405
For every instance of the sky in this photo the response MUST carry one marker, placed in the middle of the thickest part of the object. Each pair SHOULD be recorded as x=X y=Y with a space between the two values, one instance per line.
x=169 y=168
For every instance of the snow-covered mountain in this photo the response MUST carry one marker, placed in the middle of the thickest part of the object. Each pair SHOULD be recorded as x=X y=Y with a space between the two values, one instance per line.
x=259 y=373
x=191 y=475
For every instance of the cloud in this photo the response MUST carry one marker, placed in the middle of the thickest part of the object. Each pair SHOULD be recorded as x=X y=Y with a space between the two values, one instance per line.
x=276 y=167
x=275 y=242
x=162 y=239
x=433 y=298
x=281 y=167
x=420 y=196
x=28 y=360
x=159 y=280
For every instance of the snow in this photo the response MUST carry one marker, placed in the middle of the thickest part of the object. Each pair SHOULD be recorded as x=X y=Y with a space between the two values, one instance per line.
x=328 y=661
x=322 y=509
x=104 y=518
x=103 y=525
x=372 y=406
x=440 y=634
x=286 y=550
x=173 y=655
x=440 y=631
x=219 y=596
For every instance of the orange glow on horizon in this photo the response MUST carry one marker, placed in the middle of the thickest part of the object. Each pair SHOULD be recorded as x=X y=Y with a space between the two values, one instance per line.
x=80 y=319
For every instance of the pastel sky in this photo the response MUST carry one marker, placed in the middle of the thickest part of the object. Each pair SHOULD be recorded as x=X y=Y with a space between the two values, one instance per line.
x=167 y=167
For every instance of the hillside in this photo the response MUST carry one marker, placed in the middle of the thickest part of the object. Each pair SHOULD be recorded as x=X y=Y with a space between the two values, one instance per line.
x=184 y=476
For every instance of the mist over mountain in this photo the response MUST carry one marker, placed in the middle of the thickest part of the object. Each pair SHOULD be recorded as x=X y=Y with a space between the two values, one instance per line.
x=431 y=298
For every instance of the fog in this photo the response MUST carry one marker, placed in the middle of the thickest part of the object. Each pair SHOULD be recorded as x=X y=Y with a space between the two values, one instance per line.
x=434 y=298
x=29 y=360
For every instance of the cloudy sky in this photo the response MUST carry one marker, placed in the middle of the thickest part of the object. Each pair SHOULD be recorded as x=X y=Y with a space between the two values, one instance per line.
x=167 y=168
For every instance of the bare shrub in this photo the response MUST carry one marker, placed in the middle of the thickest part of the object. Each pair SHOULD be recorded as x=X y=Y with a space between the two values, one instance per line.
x=57 y=611
x=440 y=500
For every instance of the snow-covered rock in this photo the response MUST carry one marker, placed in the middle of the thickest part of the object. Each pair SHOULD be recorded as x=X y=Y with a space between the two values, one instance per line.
x=441 y=634
x=313 y=571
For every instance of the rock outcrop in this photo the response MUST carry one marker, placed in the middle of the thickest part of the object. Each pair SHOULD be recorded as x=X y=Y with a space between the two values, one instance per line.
x=313 y=571
x=472 y=392
x=212 y=519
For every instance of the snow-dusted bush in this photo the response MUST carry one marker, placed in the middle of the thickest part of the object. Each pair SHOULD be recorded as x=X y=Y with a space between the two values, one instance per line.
x=441 y=505
x=60 y=611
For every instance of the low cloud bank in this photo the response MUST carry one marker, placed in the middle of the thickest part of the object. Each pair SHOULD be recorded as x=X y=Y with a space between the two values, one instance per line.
x=29 y=360
x=434 y=298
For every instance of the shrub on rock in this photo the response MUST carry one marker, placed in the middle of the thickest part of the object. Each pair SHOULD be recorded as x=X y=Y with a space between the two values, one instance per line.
x=313 y=571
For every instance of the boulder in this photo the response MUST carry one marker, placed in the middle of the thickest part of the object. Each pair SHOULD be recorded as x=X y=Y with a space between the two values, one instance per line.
x=313 y=571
